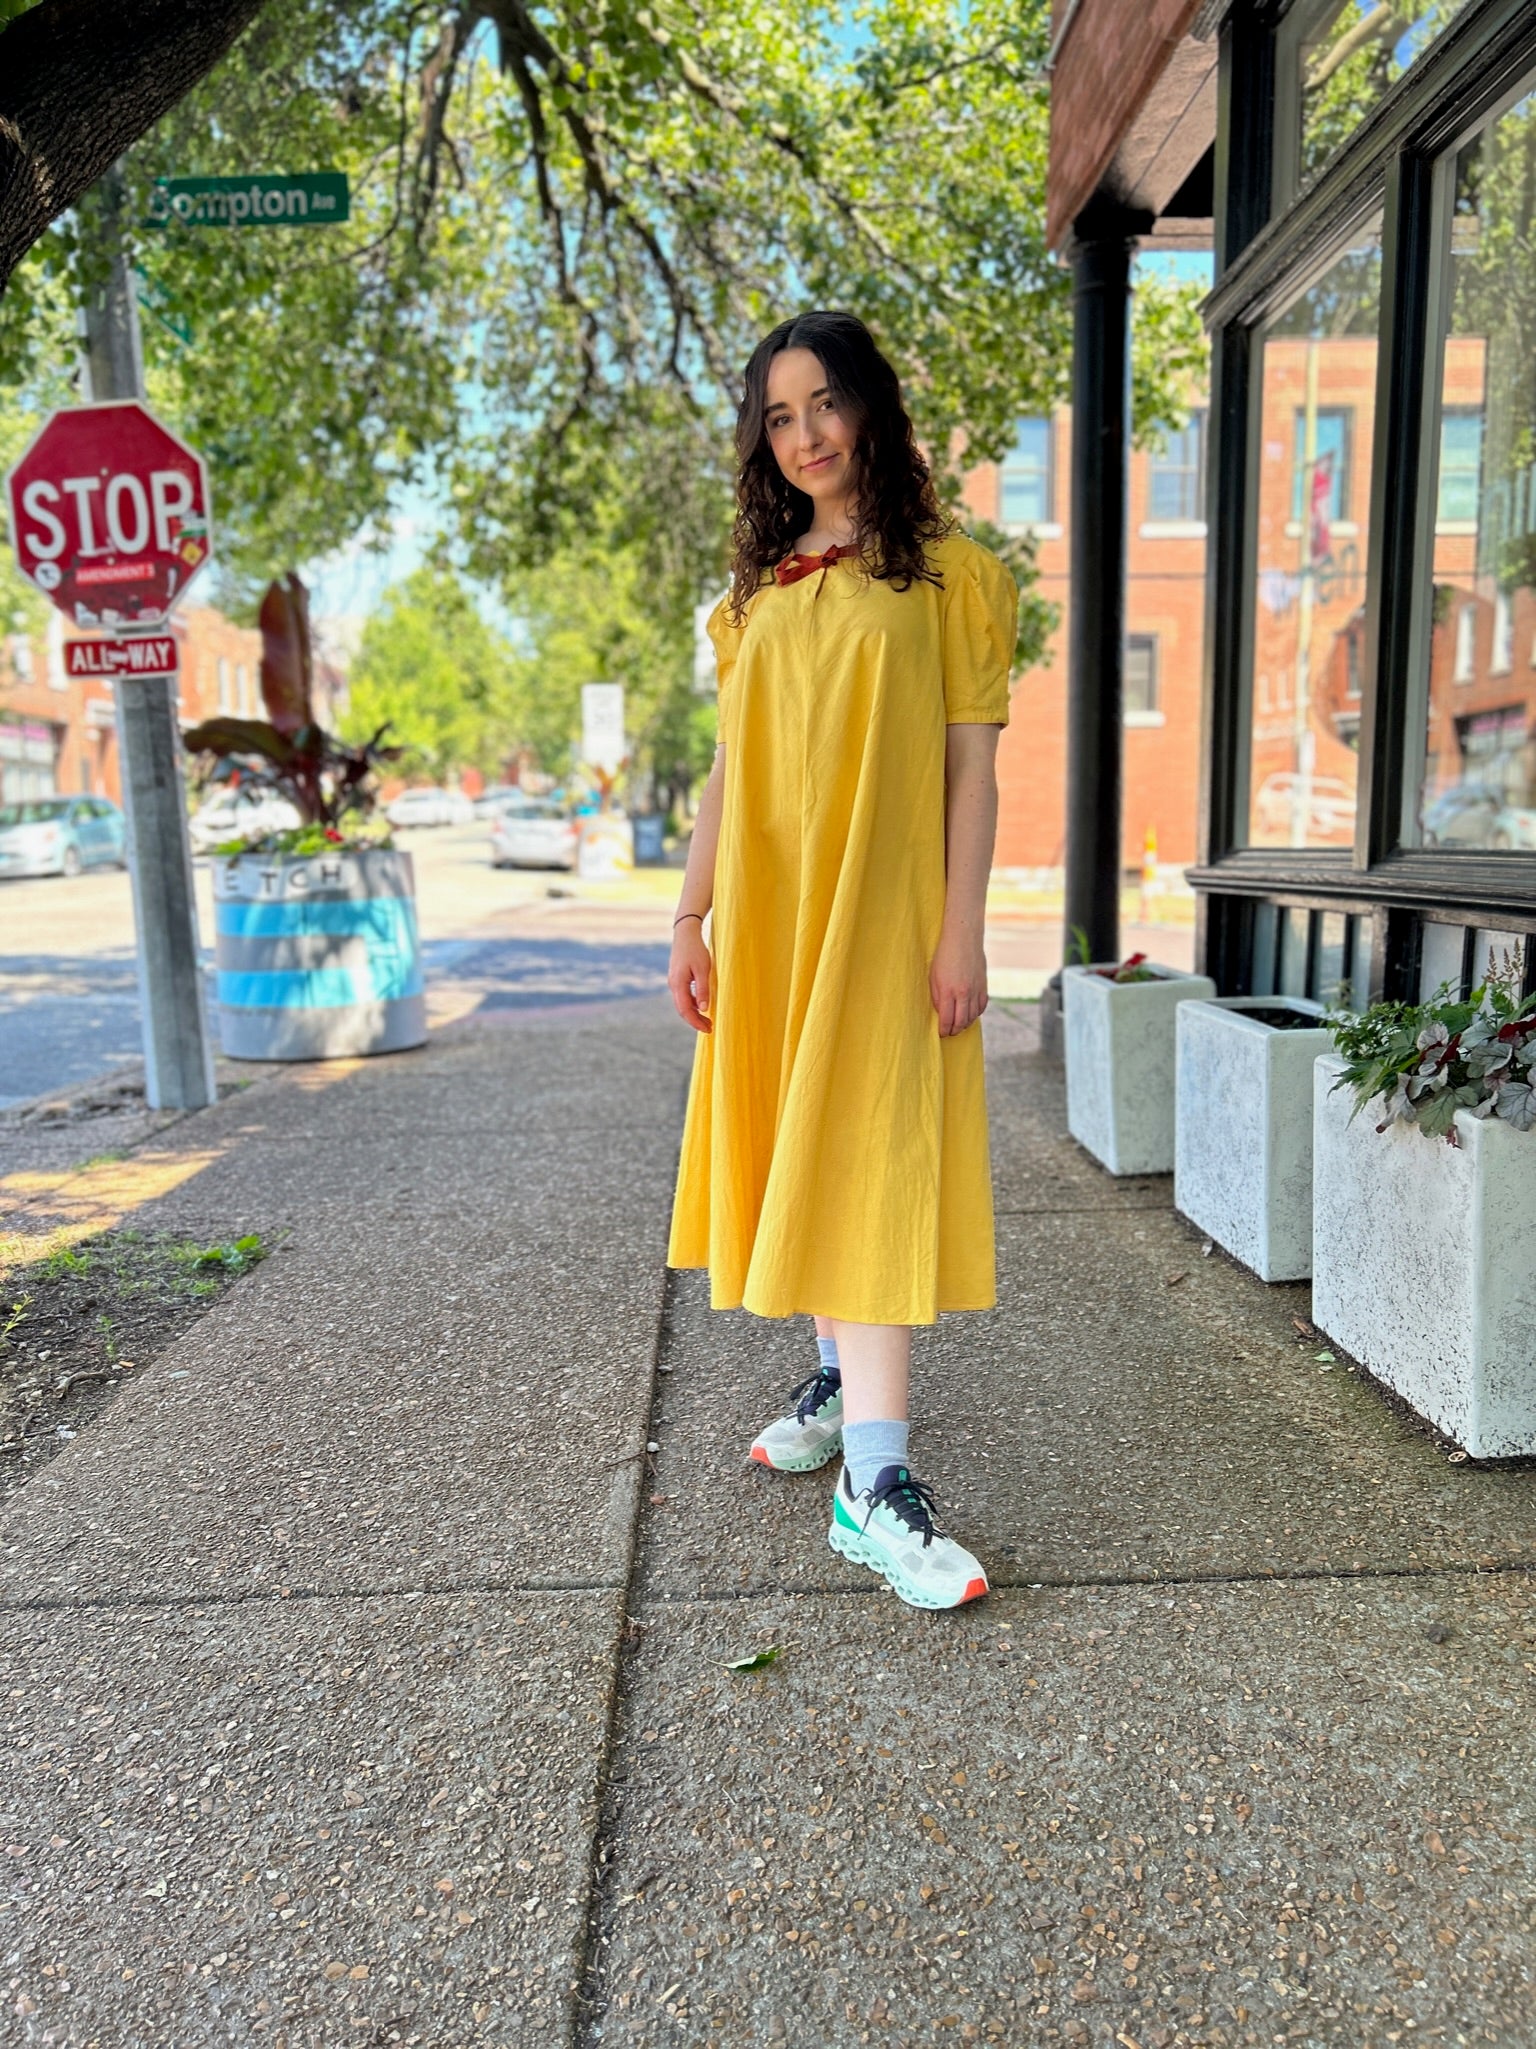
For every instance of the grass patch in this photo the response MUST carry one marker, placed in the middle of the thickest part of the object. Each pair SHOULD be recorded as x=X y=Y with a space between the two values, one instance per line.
x=77 y=1321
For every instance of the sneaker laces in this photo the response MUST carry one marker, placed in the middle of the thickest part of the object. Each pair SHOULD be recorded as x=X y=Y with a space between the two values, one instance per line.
x=813 y=1393
x=910 y=1502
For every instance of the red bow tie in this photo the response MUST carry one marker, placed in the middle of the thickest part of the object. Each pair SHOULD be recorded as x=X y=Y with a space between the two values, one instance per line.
x=793 y=567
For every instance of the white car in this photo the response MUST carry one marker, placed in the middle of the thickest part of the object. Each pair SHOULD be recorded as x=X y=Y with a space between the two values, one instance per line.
x=1329 y=800
x=427 y=806
x=240 y=814
x=536 y=835
x=498 y=798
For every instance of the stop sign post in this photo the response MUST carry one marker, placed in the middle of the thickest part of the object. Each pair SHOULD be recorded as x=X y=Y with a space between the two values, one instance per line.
x=110 y=521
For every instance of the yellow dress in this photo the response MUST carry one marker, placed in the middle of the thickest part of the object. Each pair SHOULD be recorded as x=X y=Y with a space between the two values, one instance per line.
x=834 y=1156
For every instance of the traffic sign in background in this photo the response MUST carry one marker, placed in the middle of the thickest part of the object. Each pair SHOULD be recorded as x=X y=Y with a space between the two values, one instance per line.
x=296 y=199
x=110 y=516
x=146 y=654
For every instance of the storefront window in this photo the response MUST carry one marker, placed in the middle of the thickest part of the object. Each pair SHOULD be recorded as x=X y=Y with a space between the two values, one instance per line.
x=1338 y=58
x=1477 y=785
x=1318 y=387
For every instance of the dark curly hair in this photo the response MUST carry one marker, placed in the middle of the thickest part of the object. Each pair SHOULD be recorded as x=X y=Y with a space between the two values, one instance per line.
x=896 y=511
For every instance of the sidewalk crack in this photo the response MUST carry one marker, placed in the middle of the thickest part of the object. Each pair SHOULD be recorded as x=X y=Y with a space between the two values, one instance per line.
x=590 y=1991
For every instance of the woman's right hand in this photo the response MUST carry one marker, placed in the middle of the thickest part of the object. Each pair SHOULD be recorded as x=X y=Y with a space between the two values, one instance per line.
x=688 y=976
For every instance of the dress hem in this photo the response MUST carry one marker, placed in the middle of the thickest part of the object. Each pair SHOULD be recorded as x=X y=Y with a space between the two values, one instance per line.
x=946 y=1306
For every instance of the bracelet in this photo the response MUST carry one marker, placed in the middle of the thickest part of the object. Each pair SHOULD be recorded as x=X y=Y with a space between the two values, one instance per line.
x=683 y=916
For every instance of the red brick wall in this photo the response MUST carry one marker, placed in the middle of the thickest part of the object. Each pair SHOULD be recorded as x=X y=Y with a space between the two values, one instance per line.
x=1165 y=596
x=79 y=711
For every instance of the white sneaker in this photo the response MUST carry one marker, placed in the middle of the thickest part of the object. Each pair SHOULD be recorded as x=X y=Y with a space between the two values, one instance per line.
x=811 y=1434
x=891 y=1527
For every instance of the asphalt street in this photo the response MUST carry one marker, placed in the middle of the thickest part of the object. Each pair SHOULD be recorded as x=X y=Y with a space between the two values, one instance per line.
x=495 y=940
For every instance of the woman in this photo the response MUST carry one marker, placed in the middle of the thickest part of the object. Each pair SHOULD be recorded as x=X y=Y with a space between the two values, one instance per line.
x=834 y=1156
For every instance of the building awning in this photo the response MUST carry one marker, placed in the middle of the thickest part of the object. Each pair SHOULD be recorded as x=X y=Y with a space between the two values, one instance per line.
x=1133 y=115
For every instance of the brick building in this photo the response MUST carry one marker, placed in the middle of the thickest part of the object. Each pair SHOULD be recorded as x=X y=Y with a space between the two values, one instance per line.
x=1164 y=607
x=57 y=733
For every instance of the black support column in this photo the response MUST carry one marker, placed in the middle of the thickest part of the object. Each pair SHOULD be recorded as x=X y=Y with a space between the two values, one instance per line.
x=1103 y=239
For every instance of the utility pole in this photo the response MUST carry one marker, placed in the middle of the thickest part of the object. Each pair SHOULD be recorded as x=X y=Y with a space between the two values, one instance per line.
x=178 y=1053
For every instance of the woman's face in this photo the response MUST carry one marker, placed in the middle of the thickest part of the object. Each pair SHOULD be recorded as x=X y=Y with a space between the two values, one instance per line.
x=812 y=443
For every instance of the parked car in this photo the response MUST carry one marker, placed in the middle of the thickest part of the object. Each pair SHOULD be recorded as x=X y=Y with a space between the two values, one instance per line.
x=62 y=836
x=430 y=806
x=536 y=835
x=238 y=814
x=500 y=797
x=1472 y=815
x=1330 y=803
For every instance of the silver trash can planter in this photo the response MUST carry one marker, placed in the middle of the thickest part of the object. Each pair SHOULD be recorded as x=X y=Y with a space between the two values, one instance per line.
x=318 y=955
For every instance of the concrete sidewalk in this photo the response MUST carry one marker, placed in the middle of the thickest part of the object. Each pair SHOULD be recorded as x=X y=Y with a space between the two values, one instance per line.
x=368 y=1675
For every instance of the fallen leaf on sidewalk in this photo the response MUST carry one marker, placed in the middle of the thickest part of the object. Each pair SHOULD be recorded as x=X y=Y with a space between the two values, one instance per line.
x=1174 y=1279
x=755 y=1661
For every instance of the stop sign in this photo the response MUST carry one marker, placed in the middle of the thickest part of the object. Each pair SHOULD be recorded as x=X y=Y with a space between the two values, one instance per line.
x=109 y=515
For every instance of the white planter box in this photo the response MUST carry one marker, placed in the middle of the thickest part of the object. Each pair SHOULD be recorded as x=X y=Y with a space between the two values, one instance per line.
x=1120 y=1060
x=1426 y=1265
x=1242 y=1165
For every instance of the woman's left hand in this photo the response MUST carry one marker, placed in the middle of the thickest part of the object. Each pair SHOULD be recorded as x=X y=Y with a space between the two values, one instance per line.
x=957 y=981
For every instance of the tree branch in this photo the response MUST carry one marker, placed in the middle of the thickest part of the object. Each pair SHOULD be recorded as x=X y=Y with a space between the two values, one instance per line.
x=80 y=81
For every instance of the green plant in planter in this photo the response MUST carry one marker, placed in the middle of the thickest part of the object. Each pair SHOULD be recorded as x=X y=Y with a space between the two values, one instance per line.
x=1425 y=1061
x=1133 y=969
x=333 y=786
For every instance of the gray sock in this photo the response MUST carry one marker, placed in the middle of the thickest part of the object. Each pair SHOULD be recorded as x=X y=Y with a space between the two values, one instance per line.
x=827 y=1347
x=869 y=1447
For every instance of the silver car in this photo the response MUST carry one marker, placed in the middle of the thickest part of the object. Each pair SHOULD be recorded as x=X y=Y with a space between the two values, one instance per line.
x=61 y=836
x=536 y=835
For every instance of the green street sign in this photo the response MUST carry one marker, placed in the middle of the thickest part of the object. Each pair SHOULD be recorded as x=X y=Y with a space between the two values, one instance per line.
x=300 y=199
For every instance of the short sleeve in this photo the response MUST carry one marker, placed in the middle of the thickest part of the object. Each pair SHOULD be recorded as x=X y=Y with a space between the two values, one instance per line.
x=980 y=626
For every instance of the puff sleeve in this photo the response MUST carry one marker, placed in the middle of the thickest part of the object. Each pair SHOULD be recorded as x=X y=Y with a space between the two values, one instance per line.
x=725 y=636
x=980 y=625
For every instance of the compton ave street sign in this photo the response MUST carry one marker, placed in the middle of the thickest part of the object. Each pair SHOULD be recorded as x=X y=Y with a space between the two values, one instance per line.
x=110 y=516
x=297 y=199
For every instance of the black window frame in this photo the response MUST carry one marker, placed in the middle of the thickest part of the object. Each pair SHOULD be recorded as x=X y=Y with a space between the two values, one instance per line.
x=1388 y=166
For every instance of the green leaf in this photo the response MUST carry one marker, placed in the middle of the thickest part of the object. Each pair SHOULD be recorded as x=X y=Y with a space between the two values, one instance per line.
x=755 y=1661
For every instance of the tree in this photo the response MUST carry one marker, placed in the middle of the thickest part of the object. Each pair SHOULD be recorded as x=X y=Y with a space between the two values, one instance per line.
x=571 y=221
x=80 y=82
x=443 y=680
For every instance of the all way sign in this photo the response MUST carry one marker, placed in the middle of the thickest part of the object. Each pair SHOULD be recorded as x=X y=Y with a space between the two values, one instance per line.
x=147 y=654
x=296 y=199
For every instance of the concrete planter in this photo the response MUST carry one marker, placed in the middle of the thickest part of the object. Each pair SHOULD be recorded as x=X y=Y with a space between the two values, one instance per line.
x=318 y=955
x=1242 y=1165
x=1426 y=1265
x=1120 y=1060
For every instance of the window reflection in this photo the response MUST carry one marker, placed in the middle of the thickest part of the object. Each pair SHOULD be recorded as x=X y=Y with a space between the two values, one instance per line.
x=1352 y=52
x=1318 y=385
x=1478 y=787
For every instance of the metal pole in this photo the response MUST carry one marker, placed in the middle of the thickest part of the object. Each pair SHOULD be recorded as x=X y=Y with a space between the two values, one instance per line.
x=178 y=1053
x=1101 y=424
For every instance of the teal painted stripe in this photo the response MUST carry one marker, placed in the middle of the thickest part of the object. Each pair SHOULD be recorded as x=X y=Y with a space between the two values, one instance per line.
x=389 y=918
x=318 y=988
x=386 y=926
